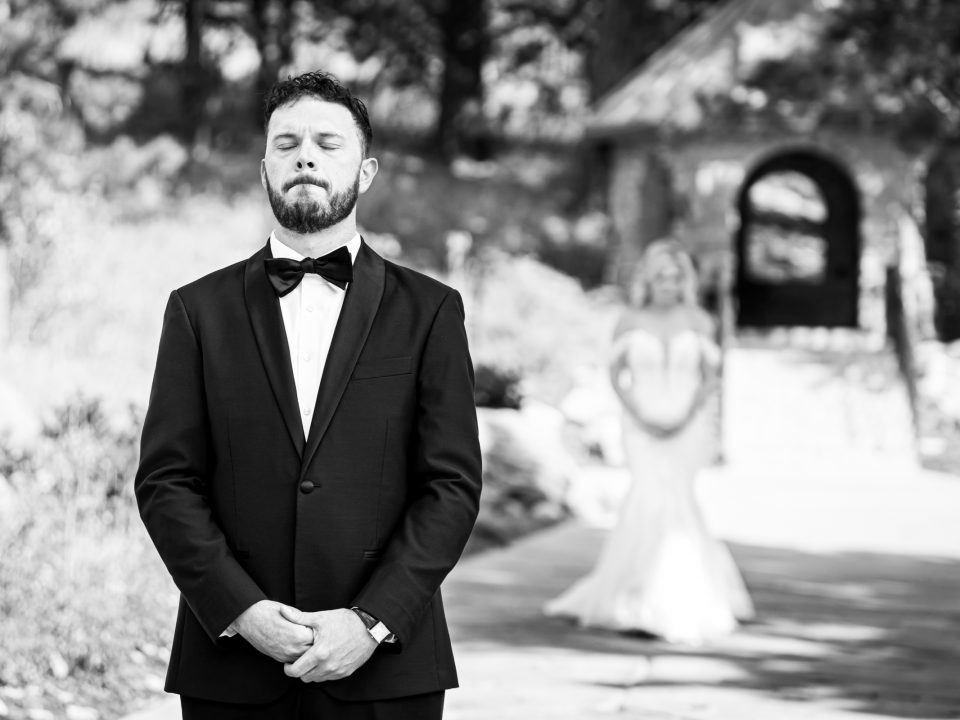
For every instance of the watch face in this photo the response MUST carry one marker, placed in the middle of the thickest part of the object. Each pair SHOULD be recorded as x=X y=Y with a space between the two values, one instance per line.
x=379 y=632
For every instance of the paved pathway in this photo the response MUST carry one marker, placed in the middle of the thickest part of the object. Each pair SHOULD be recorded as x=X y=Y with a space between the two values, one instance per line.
x=847 y=628
x=852 y=554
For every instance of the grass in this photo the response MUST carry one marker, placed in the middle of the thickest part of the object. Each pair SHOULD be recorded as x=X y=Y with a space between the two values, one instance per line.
x=85 y=604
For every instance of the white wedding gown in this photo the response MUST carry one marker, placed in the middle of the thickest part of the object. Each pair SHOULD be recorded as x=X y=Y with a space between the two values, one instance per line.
x=660 y=571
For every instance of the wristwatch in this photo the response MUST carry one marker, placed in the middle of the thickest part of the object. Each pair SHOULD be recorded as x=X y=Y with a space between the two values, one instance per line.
x=378 y=631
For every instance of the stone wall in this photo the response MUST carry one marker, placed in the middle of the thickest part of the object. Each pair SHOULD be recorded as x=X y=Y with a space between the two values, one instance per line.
x=708 y=173
x=6 y=292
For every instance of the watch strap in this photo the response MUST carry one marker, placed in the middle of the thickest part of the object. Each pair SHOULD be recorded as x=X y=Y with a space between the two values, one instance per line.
x=378 y=631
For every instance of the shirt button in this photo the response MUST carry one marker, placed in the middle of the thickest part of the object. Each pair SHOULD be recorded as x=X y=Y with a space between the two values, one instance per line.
x=306 y=487
x=309 y=308
x=307 y=357
x=307 y=411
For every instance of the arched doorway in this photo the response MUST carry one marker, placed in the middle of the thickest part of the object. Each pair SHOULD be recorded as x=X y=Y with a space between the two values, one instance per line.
x=798 y=245
x=941 y=245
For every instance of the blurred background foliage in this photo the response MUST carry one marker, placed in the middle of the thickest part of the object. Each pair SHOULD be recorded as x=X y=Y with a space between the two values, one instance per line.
x=120 y=106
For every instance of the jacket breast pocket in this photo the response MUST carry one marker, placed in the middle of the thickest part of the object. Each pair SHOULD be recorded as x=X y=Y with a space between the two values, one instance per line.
x=383 y=367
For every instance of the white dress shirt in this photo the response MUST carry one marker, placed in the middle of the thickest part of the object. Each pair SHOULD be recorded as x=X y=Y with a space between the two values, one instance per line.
x=310 y=313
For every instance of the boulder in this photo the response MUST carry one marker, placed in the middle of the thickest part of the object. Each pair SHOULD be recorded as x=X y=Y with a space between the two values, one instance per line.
x=526 y=473
x=19 y=422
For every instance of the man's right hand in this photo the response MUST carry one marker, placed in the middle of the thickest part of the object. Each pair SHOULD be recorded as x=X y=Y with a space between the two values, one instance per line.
x=268 y=631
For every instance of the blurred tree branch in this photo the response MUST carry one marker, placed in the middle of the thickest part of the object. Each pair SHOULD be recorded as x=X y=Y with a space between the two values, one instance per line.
x=272 y=25
x=881 y=61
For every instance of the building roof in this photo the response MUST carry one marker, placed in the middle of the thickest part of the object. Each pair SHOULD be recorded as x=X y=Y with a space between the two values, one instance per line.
x=709 y=59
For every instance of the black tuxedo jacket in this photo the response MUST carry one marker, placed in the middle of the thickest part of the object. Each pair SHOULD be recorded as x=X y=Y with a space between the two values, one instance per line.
x=371 y=509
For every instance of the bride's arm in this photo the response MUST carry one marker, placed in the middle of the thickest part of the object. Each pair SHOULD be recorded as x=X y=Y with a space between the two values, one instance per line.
x=621 y=378
x=709 y=381
x=710 y=356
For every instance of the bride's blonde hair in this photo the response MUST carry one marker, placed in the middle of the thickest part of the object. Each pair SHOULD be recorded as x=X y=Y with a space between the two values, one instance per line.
x=666 y=251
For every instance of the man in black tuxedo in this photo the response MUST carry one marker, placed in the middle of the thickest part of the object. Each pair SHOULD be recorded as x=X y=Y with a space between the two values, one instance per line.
x=310 y=469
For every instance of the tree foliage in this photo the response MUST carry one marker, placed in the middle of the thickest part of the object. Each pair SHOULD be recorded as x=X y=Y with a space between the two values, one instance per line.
x=906 y=54
x=533 y=56
x=38 y=139
x=905 y=57
x=879 y=63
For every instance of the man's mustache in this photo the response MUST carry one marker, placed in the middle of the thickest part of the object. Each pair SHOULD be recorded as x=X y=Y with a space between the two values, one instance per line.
x=306 y=180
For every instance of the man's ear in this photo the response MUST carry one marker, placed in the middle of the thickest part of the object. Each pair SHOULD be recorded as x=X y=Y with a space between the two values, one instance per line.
x=263 y=172
x=368 y=171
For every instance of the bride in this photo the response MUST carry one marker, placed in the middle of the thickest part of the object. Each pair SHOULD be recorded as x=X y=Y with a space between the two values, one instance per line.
x=660 y=571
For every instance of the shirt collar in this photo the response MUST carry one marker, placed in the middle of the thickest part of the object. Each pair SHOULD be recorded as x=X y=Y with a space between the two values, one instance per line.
x=279 y=250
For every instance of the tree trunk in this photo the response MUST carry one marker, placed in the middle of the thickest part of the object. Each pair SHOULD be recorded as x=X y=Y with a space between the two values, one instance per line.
x=942 y=236
x=273 y=34
x=193 y=85
x=463 y=25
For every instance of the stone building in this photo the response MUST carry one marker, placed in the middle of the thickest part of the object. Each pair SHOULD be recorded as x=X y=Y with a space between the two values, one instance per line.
x=793 y=209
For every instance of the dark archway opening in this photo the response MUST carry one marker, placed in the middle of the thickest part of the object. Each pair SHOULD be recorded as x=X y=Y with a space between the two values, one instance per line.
x=942 y=237
x=798 y=244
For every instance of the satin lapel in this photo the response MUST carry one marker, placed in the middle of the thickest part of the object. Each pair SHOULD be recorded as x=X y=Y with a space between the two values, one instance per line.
x=356 y=318
x=264 y=309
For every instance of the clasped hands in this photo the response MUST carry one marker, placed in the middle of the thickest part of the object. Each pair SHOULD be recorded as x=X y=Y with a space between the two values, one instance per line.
x=315 y=647
x=660 y=430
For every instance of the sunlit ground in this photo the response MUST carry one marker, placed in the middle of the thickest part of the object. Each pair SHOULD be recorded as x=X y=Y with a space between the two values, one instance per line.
x=850 y=551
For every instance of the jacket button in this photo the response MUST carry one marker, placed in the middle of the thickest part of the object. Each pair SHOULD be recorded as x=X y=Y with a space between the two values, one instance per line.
x=306 y=487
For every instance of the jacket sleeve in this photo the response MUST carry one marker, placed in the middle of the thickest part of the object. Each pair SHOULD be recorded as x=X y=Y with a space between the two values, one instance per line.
x=171 y=482
x=445 y=482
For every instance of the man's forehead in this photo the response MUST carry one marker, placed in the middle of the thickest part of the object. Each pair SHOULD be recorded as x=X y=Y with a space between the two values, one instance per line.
x=312 y=114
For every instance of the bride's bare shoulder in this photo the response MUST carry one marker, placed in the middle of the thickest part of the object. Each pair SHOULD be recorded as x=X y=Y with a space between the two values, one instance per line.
x=700 y=320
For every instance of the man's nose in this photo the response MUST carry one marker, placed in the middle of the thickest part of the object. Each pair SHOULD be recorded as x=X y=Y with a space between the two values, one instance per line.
x=306 y=159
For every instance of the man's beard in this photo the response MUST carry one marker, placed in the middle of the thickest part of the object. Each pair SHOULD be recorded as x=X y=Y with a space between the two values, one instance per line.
x=306 y=215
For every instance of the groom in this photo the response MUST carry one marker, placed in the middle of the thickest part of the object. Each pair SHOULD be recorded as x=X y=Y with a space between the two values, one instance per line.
x=310 y=470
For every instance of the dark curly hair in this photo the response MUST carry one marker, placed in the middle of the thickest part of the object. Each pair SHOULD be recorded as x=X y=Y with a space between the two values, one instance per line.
x=323 y=86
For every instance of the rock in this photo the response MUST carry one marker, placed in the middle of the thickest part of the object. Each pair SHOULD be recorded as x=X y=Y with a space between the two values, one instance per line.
x=79 y=712
x=12 y=692
x=19 y=422
x=939 y=381
x=137 y=657
x=11 y=510
x=526 y=472
x=58 y=665
x=40 y=714
x=548 y=512
x=64 y=697
x=4 y=710
x=593 y=412
x=153 y=683
x=526 y=447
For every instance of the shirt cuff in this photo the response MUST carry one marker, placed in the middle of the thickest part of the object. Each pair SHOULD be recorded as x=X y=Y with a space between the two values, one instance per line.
x=229 y=632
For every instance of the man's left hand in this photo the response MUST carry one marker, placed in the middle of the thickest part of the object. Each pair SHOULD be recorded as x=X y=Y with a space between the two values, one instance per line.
x=342 y=645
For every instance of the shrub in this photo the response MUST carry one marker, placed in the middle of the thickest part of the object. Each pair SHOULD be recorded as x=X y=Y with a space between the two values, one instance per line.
x=84 y=602
x=527 y=321
x=497 y=387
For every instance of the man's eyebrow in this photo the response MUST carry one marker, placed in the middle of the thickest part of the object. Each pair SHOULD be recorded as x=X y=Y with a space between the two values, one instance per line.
x=329 y=134
x=290 y=134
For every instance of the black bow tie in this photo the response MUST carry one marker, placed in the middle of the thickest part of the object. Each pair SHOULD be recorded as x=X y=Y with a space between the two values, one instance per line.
x=285 y=274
